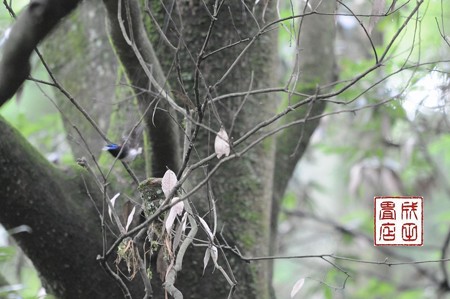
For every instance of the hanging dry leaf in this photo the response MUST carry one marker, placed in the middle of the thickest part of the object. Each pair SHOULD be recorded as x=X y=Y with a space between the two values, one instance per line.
x=211 y=251
x=206 y=227
x=169 y=181
x=130 y=218
x=214 y=254
x=113 y=202
x=206 y=259
x=177 y=237
x=183 y=222
x=177 y=209
x=297 y=286
x=221 y=144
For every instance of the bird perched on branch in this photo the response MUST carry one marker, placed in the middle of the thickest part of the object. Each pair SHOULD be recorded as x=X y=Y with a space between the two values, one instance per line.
x=124 y=153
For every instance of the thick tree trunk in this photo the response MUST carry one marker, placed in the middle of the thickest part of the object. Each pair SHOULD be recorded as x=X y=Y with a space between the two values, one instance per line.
x=65 y=235
x=242 y=188
x=317 y=67
x=159 y=117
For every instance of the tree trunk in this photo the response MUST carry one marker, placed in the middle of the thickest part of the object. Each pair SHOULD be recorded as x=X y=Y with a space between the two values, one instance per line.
x=317 y=67
x=58 y=206
x=66 y=232
x=241 y=188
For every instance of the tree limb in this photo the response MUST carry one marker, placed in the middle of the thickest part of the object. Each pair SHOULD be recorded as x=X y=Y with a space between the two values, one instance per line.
x=314 y=65
x=66 y=235
x=159 y=115
x=30 y=28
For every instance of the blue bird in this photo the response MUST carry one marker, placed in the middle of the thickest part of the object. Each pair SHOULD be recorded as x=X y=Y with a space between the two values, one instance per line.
x=127 y=154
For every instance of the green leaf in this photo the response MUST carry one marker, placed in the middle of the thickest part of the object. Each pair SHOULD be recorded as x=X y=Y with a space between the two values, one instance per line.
x=412 y=294
x=6 y=253
x=327 y=293
x=289 y=201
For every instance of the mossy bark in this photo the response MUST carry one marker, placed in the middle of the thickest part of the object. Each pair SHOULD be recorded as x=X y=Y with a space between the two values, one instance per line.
x=317 y=67
x=65 y=228
x=242 y=187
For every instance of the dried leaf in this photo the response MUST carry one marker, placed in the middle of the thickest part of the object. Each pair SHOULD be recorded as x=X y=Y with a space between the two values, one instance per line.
x=113 y=202
x=177 y=209
x=211 y=251
x=297 y=286
x=169 y=181
x=170 y=220
x=183 y=222
x=214 y=254
x=221 y=144
x=177 y=237
x=206 y=227
x=130 y=218
x=20 y=229
x=206 y=259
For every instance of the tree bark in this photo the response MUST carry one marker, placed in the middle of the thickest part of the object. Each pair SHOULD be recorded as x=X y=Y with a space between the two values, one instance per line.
x=241 y=187
x=66 y=229
x=160 y=118
x=317 y=67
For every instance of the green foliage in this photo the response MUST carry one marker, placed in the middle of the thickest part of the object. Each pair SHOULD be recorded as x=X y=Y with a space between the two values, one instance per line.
x=5 y=18
x=6 y=253
x=327 y=293
x=411 y=294
x=358 y=218
x=46 y=126
x=29 y=284
x=395 y=110
x=289 y=201
x=46 y=133
x=439 y=148
x=375 y=289
x=35 y=116
x=406 y=137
